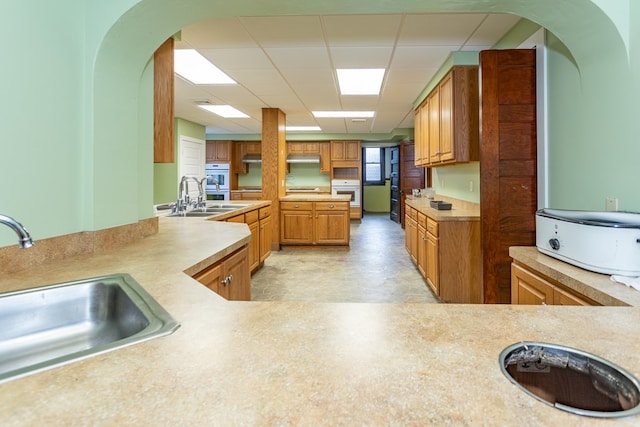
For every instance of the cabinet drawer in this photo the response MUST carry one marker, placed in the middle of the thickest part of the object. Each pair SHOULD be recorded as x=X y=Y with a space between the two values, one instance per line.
x=265 y=212
x=300 y=206
x=332 y=206
x=413 y=214
x=251 y=217
x=432 y=227
x=422 y=220
x=237 y=218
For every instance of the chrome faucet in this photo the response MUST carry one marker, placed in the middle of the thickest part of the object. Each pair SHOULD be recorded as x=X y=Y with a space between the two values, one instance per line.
x=24 y=238
x=184 y=201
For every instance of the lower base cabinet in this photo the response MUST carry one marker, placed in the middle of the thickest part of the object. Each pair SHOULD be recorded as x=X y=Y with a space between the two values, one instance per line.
x=229 y=277
x=314 y=223
x=447 y=255
x=259 y=222
x=530 y=288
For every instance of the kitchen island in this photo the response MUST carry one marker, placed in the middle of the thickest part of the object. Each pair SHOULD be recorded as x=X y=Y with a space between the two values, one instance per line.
x=315 y=219
x=288 y=363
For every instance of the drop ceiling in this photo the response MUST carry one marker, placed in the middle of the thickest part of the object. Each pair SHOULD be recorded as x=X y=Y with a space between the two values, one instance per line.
x=289 y=62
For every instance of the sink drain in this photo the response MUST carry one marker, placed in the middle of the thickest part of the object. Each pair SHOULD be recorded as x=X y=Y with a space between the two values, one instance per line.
x=571 y=380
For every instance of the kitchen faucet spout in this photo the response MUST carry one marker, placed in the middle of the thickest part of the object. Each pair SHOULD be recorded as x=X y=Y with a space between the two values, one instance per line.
x=23 y=235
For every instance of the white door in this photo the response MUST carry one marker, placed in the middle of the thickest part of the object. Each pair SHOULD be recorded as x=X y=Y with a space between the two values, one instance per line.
x=191 y=161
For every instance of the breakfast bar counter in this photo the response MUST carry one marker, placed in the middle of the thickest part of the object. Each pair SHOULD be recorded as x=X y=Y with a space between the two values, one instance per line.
x=296 y=363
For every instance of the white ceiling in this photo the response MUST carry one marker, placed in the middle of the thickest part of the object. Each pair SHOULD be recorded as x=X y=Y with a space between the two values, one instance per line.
x=289 y=62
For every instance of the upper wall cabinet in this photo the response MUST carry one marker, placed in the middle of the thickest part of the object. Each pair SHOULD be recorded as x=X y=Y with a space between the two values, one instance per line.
x=218 y=151
x=447 y=121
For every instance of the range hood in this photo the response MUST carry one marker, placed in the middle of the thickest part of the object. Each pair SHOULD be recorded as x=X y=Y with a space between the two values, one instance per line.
x=252 y=158
x=303 y=158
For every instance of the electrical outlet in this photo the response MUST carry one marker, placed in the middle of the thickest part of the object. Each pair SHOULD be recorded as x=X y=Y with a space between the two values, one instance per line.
x=611 y=204
x=471 y=186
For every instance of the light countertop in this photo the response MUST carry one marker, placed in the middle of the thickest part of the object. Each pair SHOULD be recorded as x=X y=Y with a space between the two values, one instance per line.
x=598 y=287
x=315 y=197
x=288 y=363
x=460 y=210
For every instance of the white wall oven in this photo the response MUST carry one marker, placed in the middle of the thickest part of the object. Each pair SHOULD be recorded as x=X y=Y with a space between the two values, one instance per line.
x=217 y=187
x=350 y=187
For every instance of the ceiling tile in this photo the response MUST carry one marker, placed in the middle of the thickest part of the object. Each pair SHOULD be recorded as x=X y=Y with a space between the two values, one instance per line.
x=438 y=29
x=216 y=33
x=299 y=57
x=492 y=29
x=361 y=57
x=238 y=58
x=361 y=30
x=285 y=31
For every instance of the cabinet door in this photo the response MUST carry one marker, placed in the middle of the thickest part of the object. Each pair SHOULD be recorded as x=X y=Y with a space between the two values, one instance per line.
x=238 y=287
x=434 y=126
x=433 y=264
x=562 y=297
x=222 y=151
x=352 y=150
x=254 y=246
x=332 y=227
x=210 y=152
x=211 y=277
x=446 y=119
x=529 y=289
x=337 y=150
x=296 y=227
x=325 y=157
x=411 y=230
x=265 y=238
x=422 y=251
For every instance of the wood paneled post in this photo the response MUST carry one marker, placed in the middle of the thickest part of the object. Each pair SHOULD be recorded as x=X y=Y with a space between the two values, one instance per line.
x=508 y=159
x=163 y=141
x=274 y=165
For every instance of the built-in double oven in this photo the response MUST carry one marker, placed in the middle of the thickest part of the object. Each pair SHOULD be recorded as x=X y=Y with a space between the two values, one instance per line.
x=349 y=187
x=217 y=187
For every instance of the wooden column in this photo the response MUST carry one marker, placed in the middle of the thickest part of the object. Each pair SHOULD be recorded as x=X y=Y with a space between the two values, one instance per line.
x=163 y=141
x=508 y=153
x=274 y=165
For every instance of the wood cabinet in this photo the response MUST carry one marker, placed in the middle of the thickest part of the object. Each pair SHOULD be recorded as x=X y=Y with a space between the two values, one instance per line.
x=218 y=151
x=259 y=222
x=411 y=233
x=242 y=149
x=446 y=127
x=303 y=147
x=432 y=255
x=265 y=232
x=345 y=150
x=325 y=157
x=245 y=195
x=447 y=254
x=314 y=223
x=422 y=245
x=229 y=277
x=163 y=103
x=532 y=288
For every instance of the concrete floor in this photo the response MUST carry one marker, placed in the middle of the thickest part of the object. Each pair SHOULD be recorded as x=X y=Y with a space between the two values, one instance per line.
x=375 y=268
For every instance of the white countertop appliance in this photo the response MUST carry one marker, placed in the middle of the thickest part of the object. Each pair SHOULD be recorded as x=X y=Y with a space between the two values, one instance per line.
x=604 y=242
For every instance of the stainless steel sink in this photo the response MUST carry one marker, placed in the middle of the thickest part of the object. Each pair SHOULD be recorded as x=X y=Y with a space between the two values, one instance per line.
x=192 y=214
x=49 y=326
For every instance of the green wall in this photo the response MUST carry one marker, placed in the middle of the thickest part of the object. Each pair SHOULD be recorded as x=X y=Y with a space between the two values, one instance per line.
x=165 y=175
x=377 y=198
x=91 y=143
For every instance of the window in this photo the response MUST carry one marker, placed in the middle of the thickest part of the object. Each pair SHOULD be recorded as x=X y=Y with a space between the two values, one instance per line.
x=373 y=158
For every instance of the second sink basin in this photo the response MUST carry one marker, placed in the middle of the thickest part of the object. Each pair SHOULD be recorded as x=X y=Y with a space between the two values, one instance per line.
x=54 y=325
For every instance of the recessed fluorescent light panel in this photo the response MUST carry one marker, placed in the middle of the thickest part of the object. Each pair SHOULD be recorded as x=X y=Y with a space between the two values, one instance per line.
x=191 y=65
x=360 y=81
x=226 y=111
x=303 y=129
x=343 y=114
